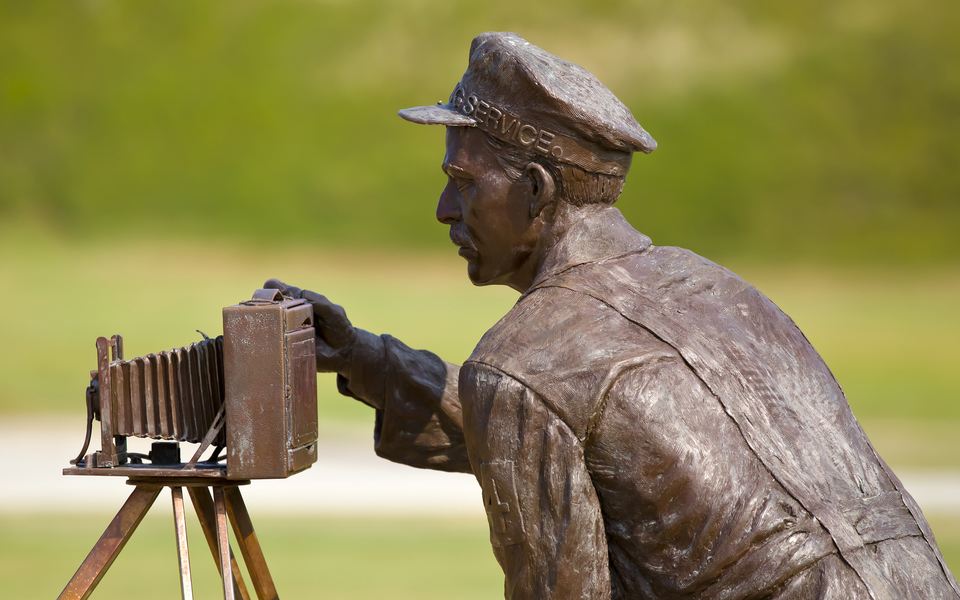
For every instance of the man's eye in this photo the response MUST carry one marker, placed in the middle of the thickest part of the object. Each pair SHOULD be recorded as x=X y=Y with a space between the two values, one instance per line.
x=463 y=185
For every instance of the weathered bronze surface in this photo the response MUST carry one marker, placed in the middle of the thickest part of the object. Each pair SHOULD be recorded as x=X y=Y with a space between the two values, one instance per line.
x=271 y=387
x=183 y=550
x=251 y=392
x=225 y=505
x=643 y=423
x=111 y=543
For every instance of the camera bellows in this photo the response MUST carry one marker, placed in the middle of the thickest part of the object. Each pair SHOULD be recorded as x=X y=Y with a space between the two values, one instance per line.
x=172 y=395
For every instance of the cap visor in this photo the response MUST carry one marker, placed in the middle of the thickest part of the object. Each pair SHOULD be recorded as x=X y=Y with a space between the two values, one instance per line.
x=440 y=114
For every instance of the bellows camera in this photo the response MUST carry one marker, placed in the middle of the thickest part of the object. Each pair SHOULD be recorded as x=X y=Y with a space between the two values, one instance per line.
x=250 y=394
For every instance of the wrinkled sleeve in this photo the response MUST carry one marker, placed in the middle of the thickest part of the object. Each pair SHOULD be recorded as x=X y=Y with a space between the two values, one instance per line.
x=545 y=522
x=418 y=418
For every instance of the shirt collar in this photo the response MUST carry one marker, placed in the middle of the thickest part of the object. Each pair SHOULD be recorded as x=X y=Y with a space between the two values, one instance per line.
x=598 y=236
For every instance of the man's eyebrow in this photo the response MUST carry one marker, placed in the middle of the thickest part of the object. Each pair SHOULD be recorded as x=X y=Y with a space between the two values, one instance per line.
x=454 y=171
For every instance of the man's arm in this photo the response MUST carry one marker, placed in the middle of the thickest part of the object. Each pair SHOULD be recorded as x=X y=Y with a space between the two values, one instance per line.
x=418 y=420
x=545 y=521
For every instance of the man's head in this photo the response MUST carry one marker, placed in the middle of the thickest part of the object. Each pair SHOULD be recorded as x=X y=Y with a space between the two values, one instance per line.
x=495 y=219
x=533 y=130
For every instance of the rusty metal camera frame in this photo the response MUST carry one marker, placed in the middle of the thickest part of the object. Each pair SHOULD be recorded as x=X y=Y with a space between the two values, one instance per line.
x=173 y=395
x=213 y=510
x=251 y=391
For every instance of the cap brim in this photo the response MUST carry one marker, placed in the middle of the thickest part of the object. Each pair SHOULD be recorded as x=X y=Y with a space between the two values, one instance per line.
x=647 y=143
x=439 y=114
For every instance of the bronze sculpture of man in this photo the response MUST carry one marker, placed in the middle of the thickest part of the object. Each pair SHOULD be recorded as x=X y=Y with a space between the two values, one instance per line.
x=643 y=423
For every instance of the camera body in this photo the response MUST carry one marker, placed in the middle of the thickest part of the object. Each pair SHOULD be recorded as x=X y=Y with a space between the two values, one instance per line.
x=270 y=384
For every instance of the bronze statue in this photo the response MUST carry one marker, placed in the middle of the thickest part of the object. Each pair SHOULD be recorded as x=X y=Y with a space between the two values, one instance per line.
x=643 y=423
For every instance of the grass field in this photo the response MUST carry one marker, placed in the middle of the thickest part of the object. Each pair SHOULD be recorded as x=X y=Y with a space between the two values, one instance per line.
x=157 y=292
x=889 y=335
x=343 y=558
x=335 y=558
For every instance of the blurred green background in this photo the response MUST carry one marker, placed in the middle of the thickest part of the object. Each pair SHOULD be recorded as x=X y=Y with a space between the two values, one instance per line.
x=159 y=160
x=822 y=130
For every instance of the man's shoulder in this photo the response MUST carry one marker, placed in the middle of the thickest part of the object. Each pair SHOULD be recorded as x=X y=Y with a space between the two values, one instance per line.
x=551 y=324
x=566 y=347
x=569 y=322
x=664 y=285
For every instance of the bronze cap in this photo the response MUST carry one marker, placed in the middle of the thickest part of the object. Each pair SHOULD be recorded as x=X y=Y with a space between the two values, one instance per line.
x=522 y=95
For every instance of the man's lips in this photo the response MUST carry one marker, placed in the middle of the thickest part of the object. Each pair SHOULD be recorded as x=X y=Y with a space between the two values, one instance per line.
x=466 y=247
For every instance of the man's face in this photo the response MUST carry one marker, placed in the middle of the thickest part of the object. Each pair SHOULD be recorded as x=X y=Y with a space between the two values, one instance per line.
x=488 y=214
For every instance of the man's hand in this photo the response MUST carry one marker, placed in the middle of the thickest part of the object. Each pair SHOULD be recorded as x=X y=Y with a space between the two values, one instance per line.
x=335 y=335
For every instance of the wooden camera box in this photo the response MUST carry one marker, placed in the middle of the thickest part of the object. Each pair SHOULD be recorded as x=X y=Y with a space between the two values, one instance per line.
x=270 y=381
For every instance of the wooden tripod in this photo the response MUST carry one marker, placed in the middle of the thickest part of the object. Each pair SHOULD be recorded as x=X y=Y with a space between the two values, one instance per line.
x=213 y=514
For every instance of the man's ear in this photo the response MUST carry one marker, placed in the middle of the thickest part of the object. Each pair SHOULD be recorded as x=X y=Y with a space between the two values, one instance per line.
x=544 y=188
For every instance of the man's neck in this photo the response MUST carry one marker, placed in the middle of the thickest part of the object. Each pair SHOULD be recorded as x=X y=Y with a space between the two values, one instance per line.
x=556 y=221
x=585 y=234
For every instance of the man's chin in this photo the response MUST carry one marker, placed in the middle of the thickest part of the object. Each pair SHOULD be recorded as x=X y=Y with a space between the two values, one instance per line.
x=473 y=272
x=477 y=276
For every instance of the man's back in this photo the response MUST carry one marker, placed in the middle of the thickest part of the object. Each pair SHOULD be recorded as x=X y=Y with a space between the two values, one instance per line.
x=693 y=501
x=686 y=507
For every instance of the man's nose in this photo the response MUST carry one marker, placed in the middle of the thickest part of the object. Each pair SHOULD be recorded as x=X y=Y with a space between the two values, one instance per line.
x=448 y=206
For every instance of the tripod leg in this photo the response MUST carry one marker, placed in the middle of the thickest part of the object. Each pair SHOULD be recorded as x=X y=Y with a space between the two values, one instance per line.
x=249 y=545
x=112 y=541
x=203 y=504
x=223 y=540
x=183 y=553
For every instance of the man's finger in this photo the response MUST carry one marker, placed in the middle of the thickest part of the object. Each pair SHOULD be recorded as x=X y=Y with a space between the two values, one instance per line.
x=332 y=322
x=286 y=290
x=325 y=310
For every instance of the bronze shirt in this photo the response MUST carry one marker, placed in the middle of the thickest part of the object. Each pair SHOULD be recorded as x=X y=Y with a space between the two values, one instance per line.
x=644 y=424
